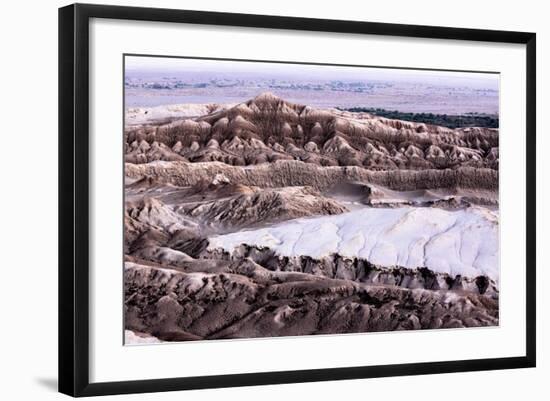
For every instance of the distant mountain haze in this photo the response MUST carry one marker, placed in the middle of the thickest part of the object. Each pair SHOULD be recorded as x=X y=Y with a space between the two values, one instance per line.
x=153 y=81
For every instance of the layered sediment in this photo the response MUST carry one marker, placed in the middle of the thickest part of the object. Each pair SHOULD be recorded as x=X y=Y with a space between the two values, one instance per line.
x=269 y=218
x=246 y=300
x=290 y=173
x=266 y=129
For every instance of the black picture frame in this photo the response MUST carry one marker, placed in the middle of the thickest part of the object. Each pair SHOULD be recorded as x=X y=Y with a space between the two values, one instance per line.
x=74 y=201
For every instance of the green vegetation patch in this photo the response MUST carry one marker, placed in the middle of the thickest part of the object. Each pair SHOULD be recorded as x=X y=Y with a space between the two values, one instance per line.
x=445 y=120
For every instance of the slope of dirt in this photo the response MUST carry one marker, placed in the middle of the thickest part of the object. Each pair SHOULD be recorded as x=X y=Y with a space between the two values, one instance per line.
x=267 y=128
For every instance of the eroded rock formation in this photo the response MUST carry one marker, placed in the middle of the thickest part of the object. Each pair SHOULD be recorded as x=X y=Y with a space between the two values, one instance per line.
x=265 y=167
x=267 y=129
x=243 y=300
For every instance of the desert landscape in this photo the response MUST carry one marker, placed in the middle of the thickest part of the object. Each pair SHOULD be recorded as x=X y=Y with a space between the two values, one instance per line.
x=268 y=217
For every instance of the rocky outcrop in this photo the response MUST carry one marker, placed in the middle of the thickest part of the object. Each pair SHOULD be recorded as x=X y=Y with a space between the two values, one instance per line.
x=290 y=173
x=259 y=207
x=269 y=218
x=247 y=301
x=378 y=196
x=354 y=268
x=267 y=128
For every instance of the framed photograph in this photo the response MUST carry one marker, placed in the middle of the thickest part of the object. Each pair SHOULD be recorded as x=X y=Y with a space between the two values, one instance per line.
x=250 y=199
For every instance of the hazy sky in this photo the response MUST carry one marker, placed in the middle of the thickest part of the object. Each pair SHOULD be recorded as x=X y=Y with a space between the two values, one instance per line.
x=137 y=64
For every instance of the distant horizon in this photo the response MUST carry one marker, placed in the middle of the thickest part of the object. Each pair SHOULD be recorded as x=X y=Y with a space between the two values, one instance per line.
x=154 y=81
x=184 y=65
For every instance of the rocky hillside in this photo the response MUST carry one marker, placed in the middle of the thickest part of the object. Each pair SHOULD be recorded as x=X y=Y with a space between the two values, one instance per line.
x=289 y=173
x=268 y=218
x=267 y=129
x=242 y=299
